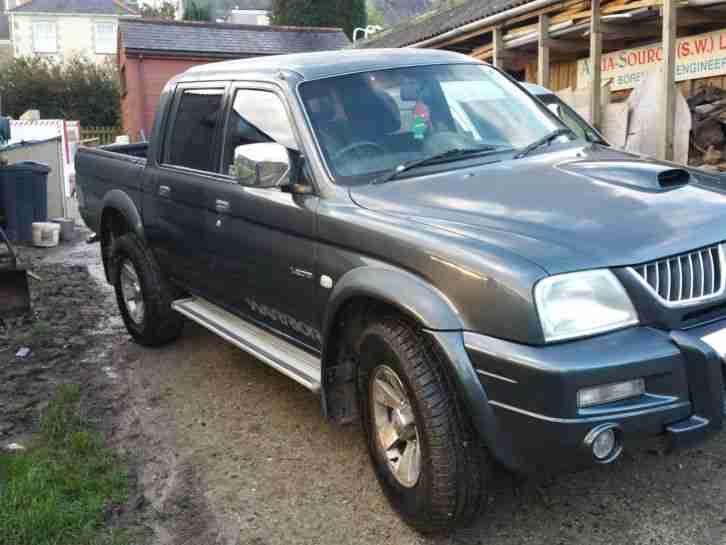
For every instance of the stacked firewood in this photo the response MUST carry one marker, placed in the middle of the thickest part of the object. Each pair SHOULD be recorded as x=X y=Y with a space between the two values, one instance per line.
x=708 y=129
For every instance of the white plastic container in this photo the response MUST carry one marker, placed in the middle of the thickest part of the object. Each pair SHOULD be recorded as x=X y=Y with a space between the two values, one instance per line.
x=45 y=234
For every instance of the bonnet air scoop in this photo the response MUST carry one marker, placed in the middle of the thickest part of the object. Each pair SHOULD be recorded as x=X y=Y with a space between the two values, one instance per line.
x=673 y=177
x=638 y=174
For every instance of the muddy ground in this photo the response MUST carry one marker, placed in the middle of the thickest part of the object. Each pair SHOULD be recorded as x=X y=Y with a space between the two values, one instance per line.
x=229 y=452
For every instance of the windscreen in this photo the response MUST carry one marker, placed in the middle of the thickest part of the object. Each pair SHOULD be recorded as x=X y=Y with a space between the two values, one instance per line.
x=372 y=122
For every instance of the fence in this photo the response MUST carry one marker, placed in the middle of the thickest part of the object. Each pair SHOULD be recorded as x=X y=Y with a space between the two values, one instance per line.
x=101 y=135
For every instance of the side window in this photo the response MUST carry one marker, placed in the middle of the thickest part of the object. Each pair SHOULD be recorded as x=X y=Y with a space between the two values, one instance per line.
x=191 y=140
x=256 y=117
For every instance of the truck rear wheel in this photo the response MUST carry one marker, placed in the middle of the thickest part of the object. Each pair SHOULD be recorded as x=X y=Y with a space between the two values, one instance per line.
x=143 y=294
x=429 y=467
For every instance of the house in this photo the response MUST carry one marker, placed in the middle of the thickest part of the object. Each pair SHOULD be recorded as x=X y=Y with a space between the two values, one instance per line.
x=61 y=29
x=152 y=51
x=251 y=12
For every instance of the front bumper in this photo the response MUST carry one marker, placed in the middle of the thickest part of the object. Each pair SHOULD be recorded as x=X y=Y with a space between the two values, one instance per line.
x=532 y=421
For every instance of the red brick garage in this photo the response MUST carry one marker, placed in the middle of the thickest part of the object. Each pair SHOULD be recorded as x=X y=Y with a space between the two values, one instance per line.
x=153 y=51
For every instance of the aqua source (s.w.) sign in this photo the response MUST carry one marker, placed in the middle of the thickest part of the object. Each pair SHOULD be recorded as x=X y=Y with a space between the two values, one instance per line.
x=700 y=56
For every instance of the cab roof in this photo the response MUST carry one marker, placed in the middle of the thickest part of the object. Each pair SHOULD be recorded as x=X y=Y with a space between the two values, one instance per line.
x=324 y=64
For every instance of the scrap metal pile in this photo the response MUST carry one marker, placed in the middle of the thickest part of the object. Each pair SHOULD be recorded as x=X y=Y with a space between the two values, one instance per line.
x=708 y=131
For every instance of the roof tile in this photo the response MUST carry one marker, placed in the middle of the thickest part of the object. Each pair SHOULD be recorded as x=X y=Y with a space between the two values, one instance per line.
x=226 y=40
x=96 y=7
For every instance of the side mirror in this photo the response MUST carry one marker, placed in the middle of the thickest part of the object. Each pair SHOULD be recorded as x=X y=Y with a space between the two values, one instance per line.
x=265 y=164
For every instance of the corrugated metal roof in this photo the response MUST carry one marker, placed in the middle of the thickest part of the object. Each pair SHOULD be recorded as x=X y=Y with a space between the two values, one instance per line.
x=436 y=22
x=218 y=39
x=96 y=7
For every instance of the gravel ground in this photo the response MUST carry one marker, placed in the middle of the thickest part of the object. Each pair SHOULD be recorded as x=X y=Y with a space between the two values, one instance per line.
x=230 y=452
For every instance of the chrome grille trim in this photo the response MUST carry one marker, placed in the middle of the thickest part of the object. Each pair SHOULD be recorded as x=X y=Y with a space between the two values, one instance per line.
x=703 y=279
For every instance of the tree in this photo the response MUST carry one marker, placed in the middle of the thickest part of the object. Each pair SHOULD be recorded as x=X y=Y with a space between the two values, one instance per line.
x=345 y=14
x=194 y=11
x=375 y=17
x=78 y=89
x=165 y=11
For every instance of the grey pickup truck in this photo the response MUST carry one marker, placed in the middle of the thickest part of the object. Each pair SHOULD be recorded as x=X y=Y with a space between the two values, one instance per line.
x=416 y=239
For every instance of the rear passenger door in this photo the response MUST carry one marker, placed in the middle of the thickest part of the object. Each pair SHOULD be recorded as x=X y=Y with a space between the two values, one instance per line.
x=178 y=202
x=263 y=238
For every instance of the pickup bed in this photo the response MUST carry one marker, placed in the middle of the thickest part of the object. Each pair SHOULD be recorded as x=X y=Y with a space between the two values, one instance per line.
x=416 y=239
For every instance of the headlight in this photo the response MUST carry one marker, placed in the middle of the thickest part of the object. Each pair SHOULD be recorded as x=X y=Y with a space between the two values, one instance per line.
x=582 y=303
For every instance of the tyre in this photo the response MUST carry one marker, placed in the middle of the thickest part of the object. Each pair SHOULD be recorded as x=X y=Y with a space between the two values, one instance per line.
x=421 y=447
x=143 y=294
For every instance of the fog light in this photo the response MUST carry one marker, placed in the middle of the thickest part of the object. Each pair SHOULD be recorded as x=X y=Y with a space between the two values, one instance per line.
x=607 y=393
x=604 y=444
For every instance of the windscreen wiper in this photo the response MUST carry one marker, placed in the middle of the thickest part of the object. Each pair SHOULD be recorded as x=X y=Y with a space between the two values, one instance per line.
x=455 y=153
x=546 y=139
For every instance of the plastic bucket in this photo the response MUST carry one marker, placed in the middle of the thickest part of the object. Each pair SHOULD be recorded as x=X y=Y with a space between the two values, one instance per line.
x=46 y=234
x=67 y=228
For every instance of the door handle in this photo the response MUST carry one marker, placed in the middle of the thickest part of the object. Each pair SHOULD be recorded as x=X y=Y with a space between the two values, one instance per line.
x=164 y=191
x=221 y=206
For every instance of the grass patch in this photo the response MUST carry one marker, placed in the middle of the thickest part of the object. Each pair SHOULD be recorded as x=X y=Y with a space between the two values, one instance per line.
x=57 y=491
x=40 y=328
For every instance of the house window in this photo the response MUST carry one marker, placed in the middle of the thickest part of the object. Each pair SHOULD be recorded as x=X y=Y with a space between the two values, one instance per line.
x=44 y=37
x=105 y=38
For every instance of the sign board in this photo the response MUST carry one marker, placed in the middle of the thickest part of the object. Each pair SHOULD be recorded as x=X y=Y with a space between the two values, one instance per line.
x=700 y=56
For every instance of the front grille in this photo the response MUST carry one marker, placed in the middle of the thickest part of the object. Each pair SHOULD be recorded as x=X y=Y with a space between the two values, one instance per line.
x=686 y=278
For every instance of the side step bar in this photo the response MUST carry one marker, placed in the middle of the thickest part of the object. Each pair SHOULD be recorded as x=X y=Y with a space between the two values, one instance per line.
x=299 y=365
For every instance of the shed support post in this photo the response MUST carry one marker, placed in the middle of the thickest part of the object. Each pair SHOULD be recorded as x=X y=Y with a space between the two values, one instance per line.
x=595 y=65
x=667 y=105
x=543 y=51
x=498 y=48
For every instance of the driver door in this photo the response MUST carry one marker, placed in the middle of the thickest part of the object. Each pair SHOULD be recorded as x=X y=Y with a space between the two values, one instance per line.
x=263 y=238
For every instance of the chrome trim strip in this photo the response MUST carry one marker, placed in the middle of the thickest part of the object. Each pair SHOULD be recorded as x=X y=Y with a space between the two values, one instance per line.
x=302 y=273
x=679 y=278
x=668 y=284
x=494 y=375
x=657 y=277
x=716 y=292
x=587 y=420
x=690 y=273
x=713 y=271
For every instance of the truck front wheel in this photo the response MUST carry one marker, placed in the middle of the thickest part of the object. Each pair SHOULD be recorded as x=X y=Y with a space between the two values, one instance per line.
x=430 y=468
x=143 y=294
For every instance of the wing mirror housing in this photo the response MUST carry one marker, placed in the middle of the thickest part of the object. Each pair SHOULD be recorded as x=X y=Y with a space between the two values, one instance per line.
x=269 y=164
x=265 y=164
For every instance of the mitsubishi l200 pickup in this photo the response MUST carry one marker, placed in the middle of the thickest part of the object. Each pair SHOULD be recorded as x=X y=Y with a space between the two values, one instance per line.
x=416 y=239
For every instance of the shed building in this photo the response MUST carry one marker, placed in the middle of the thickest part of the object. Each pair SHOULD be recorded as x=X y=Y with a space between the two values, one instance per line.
x=583 y=43
x=151 y=52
